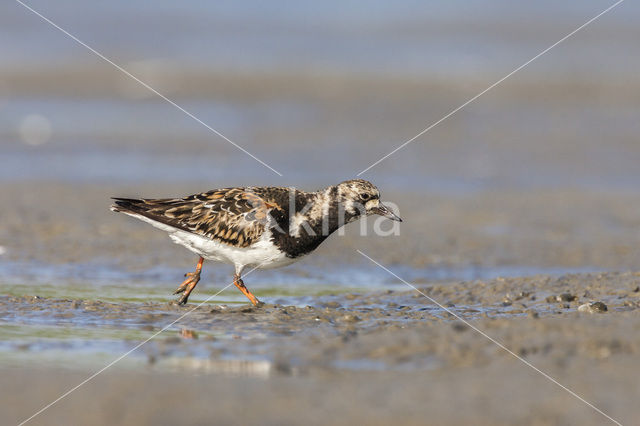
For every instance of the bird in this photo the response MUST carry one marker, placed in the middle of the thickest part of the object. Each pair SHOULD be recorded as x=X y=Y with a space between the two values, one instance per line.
x=255 y=227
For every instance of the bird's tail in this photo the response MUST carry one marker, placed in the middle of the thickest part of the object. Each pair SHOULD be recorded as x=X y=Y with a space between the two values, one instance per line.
x=128 y=205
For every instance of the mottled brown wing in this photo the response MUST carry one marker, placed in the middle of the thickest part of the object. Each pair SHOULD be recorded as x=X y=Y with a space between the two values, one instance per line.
x=236 y=216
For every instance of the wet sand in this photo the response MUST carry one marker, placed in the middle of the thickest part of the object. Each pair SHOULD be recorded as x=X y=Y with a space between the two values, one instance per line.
x=380 y=354
x=375 y=358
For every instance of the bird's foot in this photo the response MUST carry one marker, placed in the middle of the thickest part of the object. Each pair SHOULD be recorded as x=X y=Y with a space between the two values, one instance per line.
x=187 y=286
x=240 y=284
x=189 y=276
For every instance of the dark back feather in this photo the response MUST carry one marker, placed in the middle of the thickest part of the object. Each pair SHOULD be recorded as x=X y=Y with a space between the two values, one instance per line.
x=236 y=216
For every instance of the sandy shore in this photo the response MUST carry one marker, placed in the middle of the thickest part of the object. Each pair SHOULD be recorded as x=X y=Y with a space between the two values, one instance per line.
x=371 y=358
x=344 y=357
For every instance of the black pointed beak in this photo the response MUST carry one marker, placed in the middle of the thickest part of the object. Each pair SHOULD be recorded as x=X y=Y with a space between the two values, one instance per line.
x=383 y=210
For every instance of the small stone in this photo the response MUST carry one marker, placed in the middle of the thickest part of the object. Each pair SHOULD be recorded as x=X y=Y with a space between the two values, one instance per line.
x=219 y=309
x=518 y=296
x=282 y=366
x=523 y=294
x=592 y=308
x=350 y=318
x=459 y=327
x=566 y=297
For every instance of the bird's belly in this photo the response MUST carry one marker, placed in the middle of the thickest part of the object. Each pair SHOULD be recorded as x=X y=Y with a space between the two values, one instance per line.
x=280 y=261
x=262 y=254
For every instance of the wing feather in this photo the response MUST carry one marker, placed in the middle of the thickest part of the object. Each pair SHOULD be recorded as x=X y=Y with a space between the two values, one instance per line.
x=236 y=216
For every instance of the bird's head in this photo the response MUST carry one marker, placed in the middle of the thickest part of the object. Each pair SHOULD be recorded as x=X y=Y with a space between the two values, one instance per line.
x=362 y=198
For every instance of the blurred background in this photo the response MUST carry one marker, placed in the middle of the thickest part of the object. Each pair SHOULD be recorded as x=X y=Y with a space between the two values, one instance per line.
x=538 y=175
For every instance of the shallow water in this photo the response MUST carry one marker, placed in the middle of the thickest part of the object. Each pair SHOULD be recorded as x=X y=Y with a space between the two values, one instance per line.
x=59 y=330
x=108 y=283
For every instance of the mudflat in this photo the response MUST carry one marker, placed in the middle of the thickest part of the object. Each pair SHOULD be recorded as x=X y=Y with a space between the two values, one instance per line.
x=378 y=357
x=323 y=348
x=340 y=340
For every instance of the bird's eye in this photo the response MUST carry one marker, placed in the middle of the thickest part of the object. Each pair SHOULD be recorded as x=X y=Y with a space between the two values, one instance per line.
x=365 y=197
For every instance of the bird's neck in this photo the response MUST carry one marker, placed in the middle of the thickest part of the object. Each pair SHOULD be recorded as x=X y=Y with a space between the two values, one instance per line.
x=309 y=218
x=321 y=212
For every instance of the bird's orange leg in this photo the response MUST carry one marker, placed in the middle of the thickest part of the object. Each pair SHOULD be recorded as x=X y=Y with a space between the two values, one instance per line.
x=240 y=284
x=189 y=284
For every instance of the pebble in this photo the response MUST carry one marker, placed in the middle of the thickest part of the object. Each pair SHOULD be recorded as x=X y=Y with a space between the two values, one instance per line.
x=594 y=307
x=521 y=295
x=459 y=326
x=566 y=297
x=350 y=318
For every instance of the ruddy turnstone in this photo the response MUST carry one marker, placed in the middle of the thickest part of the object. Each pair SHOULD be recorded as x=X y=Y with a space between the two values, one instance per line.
x=257 y=227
